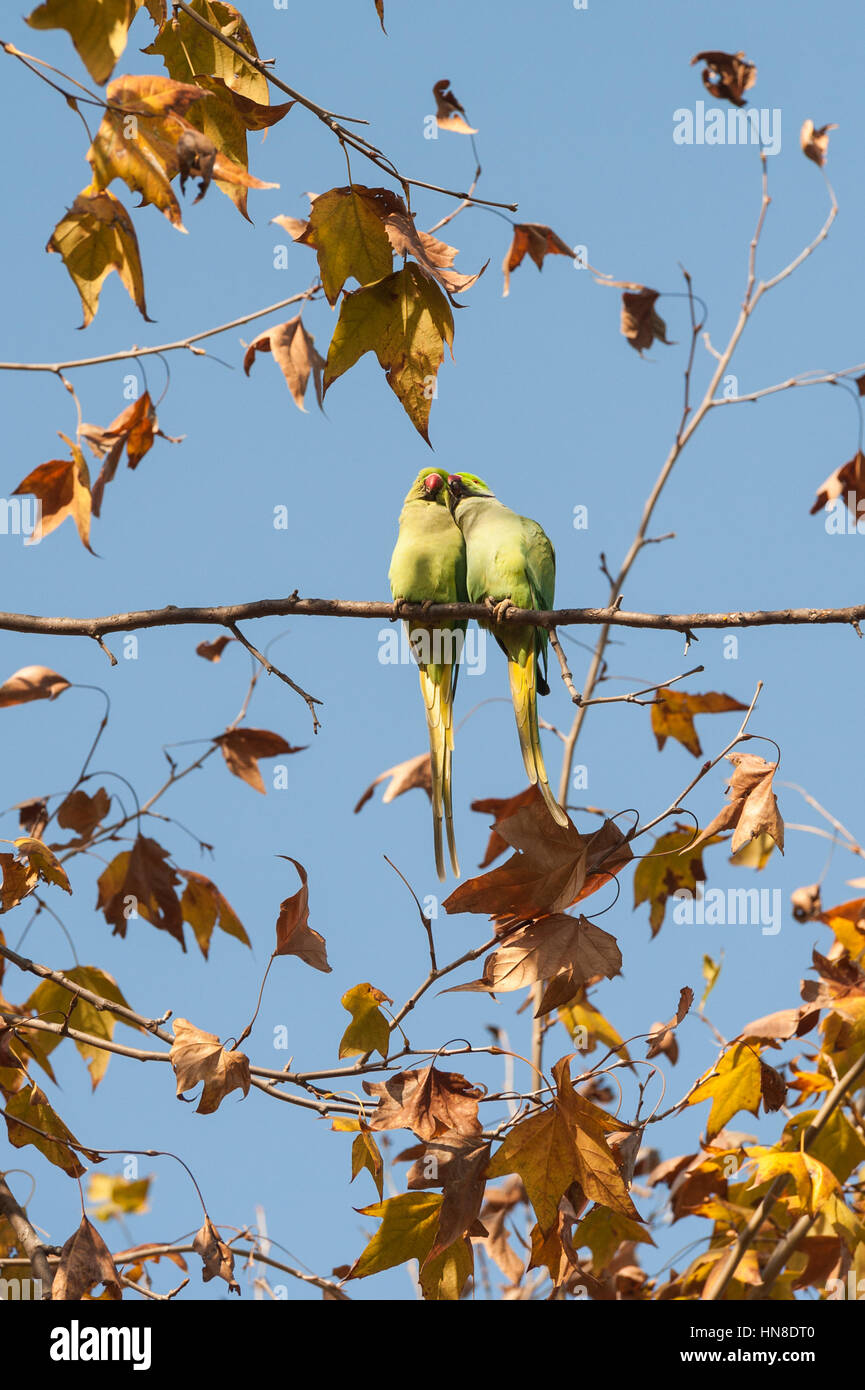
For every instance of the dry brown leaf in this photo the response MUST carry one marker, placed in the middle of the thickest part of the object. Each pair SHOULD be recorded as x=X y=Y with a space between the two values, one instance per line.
x=217 y=1258
x=83 y=813
x=85 y=1261
x=31 y=683
x=815 y=141
x=847 y=482
x=498 y=1206
x=661 y=1038
x=727 y=75
x=640 y=324
x=242 y=748
x=535 y=240
x=457 y=1163
x=136 y=427
x=414 y=772
x=199 y=1056
x=434 y=257
x=212 y=651
x=295 y=351
x=294 y=935
x=450 y=114
x=570 y=950
x=428 y=1102
x=753 y=808
x=62 y=487
x=773 y=1088
x=500 y=808
x=141 y=879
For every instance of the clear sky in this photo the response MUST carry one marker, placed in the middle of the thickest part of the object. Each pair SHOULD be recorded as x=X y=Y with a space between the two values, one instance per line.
x=575 y=111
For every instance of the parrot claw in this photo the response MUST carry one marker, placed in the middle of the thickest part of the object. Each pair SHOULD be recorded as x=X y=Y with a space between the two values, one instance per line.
x=397 y=609
x=500 y=609
x=427 y=604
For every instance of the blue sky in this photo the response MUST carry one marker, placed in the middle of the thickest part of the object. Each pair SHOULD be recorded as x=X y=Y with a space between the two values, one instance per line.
x=575 y=111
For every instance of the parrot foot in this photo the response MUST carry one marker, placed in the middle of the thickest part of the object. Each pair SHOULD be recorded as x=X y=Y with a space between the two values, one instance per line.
x=397 y=609
x=500 y=609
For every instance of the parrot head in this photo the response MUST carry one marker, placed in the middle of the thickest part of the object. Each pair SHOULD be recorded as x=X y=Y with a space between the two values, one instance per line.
x=430 y=485
x=464 y=485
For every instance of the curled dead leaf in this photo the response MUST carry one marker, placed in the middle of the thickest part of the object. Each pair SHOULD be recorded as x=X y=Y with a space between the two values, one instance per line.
x=727 y=75
x=31 y=683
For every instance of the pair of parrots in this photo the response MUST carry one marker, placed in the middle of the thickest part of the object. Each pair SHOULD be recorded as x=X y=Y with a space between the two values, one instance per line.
x=457 y=542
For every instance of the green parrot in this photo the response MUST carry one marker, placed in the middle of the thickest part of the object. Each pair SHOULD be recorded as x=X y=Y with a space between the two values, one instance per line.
x=429 y=566
x=510 y=561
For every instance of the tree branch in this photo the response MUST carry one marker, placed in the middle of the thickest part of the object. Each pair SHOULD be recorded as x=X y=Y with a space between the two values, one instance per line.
x=26 y=1238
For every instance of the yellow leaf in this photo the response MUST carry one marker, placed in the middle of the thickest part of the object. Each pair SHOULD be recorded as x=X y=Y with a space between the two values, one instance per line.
x=204 y=908
x=732 y=1085
x=44 y=861
x=671 y=864
x=31 y=1106
x=365 y=1154
x=62 y=488
x=55 y=1004
x=406 y=321
x=673 y=715
x=98 y=29
x=368 y=1030
x=113 y=1196
x=580 y=1014
x=346 y=229
x=814 y=1182
x=186 y=49
x=407 y=1230
x=95 y=237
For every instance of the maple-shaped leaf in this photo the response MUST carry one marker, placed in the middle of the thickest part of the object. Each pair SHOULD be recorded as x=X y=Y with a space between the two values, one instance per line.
x=428 y=1102
x=673 y=714
x=500 y=808
x=571 y=951
x=62 y=488
x=83 y=813
x=838 y=1145
x=727 y=75
x=296 y=355
x=535 y=240
x=414 y=772
x=204 y=908
x=450 y=113
x=564 y=1143
x=199 y=1056
x=95 y=237
x=640 y=323
x=113 y=1197
x=212 y=651
x=242 y=748
x=141 y=882
x=368 y=1030
x=848 y=482
x=85 y=1261
x=346 y=230
x=98 y=30
x=407 y=1231
x=294 y=935
x=31 y=683
x=457 y=1163
x=135 y=428
x=603 y=1232
x=554 y=867
x=55 y=1003
x=671 y=864
x=185 y=48
x=406 y=321
x=753 y=807
x=48 y=1133
x=814 y=141
x=139 y=141
x=216 y=1256
x=732 y=1084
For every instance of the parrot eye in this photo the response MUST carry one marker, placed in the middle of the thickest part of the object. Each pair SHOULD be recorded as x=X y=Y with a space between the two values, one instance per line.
x=432 y=483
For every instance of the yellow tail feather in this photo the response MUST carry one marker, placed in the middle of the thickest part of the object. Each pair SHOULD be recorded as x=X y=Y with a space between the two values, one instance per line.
x=437 y=695
x=523 y=682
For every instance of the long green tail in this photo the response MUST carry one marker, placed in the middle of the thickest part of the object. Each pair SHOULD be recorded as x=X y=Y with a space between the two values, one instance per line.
x=523 y=682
